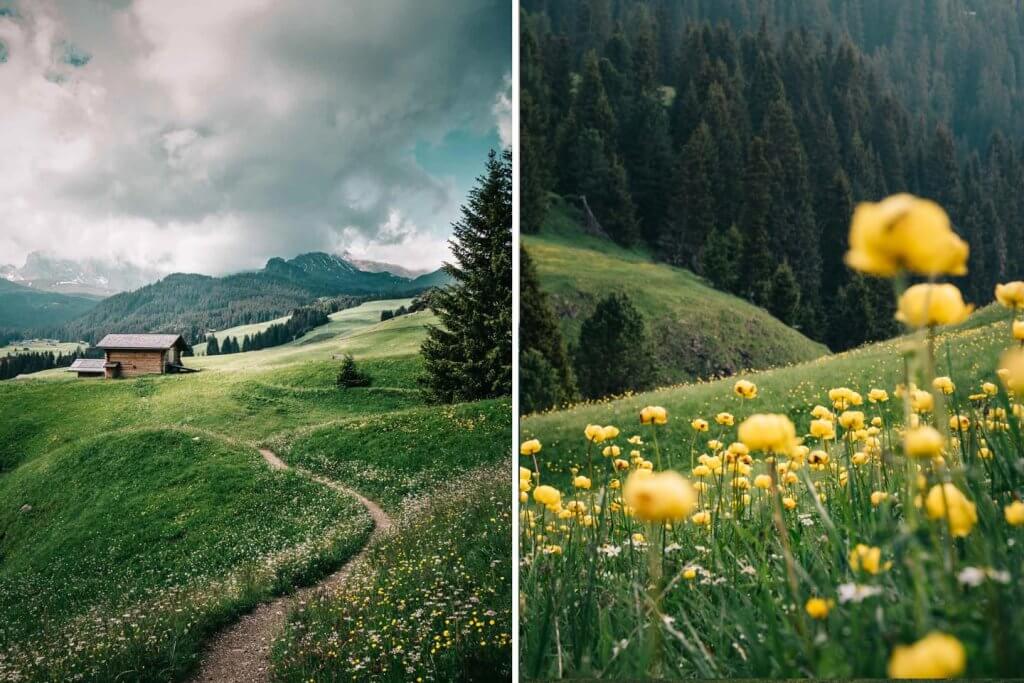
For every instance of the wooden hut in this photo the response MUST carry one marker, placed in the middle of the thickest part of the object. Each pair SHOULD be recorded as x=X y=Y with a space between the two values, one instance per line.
x=130 y=355
x=88 y=367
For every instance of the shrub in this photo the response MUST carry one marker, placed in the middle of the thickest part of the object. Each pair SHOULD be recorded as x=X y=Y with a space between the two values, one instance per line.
x=350 y=374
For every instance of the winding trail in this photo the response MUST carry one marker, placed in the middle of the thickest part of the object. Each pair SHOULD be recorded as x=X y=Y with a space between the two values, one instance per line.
x=241 y=652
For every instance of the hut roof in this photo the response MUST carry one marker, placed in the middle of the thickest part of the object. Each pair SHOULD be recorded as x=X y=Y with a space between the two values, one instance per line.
x=87 y=365
x=141 y=342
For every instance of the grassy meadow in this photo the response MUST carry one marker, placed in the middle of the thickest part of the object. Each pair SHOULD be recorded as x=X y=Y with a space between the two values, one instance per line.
x=844 y=559
x=698 y=331
x=137 y=517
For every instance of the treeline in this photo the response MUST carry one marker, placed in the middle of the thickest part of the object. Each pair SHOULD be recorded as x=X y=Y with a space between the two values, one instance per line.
x=420 y=302
x=302 y=320
x=957 y=61
x=35 y=361
x=741 y=155
x=191 y=305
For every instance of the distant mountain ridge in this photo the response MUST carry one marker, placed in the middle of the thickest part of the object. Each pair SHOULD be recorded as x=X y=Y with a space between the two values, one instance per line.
x=93 y=277
x=383 y=267
x=25 y=308
x=193 y=304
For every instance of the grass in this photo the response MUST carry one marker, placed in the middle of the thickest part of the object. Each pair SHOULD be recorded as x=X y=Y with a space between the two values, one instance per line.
x=433 y=603
x=605 y=594
x=240 y=332
x=698 y=331
x=136 y=545
x=39 y=346
x=153 y=519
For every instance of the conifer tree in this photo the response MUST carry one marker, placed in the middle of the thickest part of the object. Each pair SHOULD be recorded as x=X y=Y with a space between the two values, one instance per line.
x=212 y=347
x=539 y=332
x=757 y=268
x=613 y=354
x=469 y=356
x=784 y=296
x=720 y=259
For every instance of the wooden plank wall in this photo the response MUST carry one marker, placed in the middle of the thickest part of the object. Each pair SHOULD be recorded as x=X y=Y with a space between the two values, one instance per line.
x=137 y=362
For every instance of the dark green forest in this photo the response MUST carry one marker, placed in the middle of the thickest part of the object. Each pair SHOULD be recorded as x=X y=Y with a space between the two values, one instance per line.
x=193 y=305
x=734 y=137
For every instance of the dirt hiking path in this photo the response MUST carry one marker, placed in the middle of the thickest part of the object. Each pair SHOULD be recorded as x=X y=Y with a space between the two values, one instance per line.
x=241 y=652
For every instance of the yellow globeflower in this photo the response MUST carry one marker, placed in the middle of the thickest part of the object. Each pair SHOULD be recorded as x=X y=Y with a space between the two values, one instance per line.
x=611 y=451
x=745 y=389
x=960 y=423
x=702 y=518
x=581 y=482
x=594 y=433
x=947 y=501
x=823 y=429
x=547 y=495
x=926 y=305
x=904 y=232
x=664 y=496
x=789 y=502
x=529 y=447
x=1014 y=513
x=768 y=433
x=763 y=481
x=609 y=432
x=878 y=497
x=990 y=389
x=818 y=608
x=922 y=442
x=1011 y=369
x=852 y=419
x=822 y=413
x=1011 y=294
x=866 y=557
x=922 y=401
x=878 y=395
x=818 y=458
x=525 y=473
x=1018 y=330
x=689 y=573
x=655 y=415
x=699 y=425
x=937 y=655
x=725 y=419
x=944 y=384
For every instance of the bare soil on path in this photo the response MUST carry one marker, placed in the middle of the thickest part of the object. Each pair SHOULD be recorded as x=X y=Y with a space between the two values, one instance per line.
x=241 y=652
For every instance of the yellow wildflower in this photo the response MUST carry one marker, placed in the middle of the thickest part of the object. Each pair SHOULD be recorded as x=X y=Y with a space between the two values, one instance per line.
x=926 y=305
x=937 y=655
x=904 y=232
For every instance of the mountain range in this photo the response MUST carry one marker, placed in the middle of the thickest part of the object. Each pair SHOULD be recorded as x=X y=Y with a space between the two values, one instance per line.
x=90 y=276
x=194 y=304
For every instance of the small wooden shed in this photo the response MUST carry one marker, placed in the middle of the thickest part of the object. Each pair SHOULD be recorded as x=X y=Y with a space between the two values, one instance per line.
x=88 y=367
x=130 y=355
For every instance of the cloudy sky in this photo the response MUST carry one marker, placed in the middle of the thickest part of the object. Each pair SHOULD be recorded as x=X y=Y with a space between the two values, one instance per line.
x=209 y=136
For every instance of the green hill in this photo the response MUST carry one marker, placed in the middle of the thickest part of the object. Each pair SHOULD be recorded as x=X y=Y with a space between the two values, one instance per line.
x=147 y=497
x=23 y=308
x=698 y=331
x=967 y=352
x=192 y=304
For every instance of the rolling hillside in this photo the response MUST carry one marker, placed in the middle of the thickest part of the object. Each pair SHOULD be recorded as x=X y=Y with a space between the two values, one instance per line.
x=171 y=463
x=967 y=352
x=24 y=308
x=698 y=332
x=192 y=304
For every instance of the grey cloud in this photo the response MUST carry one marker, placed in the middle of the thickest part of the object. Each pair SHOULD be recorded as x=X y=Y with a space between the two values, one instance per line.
x=297 y=127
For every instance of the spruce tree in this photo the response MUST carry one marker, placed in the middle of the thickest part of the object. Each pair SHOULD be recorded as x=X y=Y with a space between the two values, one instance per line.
x=784 y=296
x=469 y=356
x=212 y=347
x=758 y=263
x=613 y=354
x=539 y=332
x=721 y=257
